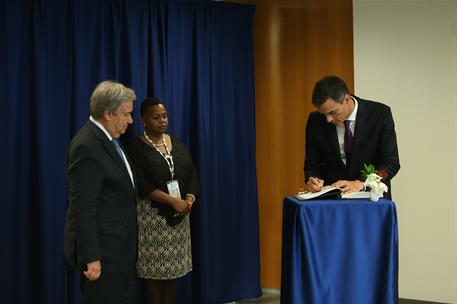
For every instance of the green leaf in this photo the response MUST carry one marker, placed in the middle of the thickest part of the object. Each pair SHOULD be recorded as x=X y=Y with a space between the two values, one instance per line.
x=367 y=170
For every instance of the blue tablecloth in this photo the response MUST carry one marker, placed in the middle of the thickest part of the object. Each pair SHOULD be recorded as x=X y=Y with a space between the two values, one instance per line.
x=339 y=252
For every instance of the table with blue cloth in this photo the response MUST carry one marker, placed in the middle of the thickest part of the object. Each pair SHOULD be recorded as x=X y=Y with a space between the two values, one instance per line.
x=339 y=252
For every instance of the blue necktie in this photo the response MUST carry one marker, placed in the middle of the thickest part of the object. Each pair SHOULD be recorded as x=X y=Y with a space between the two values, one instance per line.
x=118 y=148
x=347 y=140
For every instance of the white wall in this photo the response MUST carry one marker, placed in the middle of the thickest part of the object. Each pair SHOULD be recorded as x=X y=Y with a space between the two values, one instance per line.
x=406 y=56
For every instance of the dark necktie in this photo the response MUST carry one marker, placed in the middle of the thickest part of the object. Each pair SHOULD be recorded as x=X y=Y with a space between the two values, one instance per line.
x=347 y=140
x=117 y=146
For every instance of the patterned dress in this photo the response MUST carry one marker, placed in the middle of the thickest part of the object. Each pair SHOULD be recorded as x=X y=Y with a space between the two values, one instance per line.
x=164 y=251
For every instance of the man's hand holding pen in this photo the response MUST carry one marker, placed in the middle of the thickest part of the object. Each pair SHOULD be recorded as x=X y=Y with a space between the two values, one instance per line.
x=315 y=184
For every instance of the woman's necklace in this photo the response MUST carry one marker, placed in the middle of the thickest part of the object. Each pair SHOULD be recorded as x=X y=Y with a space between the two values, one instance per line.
x=151 y=142
x=167 y=155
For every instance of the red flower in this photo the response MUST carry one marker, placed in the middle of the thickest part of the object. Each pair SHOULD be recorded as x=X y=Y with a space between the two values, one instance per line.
x=383 y=174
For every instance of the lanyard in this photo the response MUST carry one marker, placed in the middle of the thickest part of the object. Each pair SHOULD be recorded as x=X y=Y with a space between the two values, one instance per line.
x=168 y=157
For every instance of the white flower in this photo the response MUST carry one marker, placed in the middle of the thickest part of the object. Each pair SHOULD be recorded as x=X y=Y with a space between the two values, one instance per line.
x=374 y=182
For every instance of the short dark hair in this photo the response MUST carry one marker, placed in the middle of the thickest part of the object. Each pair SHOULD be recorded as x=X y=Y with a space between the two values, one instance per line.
x=148 y=103
x=329 y=87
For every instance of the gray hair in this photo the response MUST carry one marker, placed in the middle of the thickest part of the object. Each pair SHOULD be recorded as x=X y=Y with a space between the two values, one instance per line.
x=109 y=96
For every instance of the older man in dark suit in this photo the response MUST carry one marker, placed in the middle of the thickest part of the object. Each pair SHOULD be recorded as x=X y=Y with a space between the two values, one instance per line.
x=100 y=229
x=343 y=134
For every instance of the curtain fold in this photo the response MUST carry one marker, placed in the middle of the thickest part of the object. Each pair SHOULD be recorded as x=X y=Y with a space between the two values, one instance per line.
x=214 y=83
x=197 y=57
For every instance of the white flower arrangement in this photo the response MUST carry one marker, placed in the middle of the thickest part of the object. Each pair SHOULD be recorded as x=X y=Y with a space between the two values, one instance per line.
x=374 y=182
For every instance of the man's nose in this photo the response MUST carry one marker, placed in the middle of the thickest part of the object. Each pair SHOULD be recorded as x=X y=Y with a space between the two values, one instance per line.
x=130 y=120
x=329 y=118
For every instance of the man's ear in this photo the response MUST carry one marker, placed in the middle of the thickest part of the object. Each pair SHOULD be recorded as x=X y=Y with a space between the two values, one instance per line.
x=107 y=115
x=346 y=99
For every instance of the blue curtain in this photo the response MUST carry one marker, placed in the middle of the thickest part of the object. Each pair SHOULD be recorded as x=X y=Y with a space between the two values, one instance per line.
x=195 y=55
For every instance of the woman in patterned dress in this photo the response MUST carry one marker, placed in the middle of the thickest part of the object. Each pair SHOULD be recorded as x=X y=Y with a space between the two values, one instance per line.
x=167 y=186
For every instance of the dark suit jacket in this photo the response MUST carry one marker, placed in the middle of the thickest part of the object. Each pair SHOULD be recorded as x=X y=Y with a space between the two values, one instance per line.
x=375 y=142
x=101 y=216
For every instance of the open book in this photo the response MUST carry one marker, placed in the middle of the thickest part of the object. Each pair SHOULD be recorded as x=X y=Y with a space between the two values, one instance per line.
x=332 y=193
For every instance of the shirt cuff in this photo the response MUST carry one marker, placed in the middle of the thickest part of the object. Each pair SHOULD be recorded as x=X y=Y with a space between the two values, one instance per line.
x=192 y=196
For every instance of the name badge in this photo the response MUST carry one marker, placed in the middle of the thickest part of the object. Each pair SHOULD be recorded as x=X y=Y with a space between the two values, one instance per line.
x=173 y=188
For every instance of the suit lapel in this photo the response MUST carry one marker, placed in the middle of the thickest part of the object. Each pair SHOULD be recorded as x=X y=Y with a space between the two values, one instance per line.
x=333 y=139
x=109 y=148
x=359 y=134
